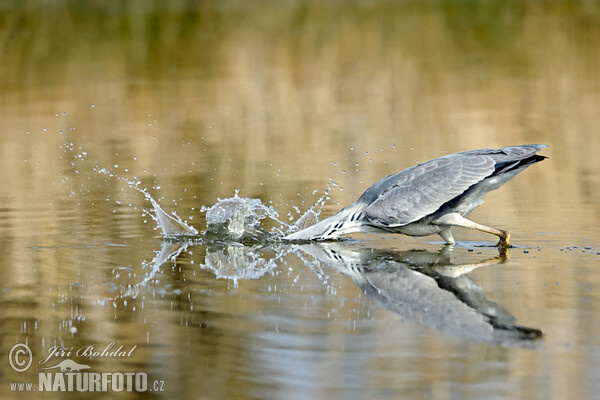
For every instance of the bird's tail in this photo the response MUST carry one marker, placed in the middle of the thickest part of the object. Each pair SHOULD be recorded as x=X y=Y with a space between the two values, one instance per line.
x=348 y=220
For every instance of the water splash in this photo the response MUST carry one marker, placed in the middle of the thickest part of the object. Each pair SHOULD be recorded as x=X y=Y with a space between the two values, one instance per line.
x=231 y=224
x=171 y=226
x=311 y=216
x=239 y=219
x=236 y=219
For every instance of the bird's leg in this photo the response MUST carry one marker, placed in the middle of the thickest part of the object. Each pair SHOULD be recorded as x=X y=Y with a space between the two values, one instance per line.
x=447 y=235
x=455 y=219
x=504 y=254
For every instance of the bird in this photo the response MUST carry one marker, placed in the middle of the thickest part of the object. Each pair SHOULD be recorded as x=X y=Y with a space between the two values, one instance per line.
x=429 y=198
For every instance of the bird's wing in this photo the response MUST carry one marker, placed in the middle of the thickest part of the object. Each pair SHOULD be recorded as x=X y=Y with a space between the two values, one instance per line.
x=418 y=191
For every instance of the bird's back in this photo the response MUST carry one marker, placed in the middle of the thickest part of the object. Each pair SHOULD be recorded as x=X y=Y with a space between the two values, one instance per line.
x=418 y=191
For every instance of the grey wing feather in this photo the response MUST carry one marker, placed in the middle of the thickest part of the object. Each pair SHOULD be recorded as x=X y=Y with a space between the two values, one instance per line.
x=416 y=192
x=421 y=190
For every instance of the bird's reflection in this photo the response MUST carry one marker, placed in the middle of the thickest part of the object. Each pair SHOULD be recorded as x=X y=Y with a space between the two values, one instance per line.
x=422 y=286
x=428 y=288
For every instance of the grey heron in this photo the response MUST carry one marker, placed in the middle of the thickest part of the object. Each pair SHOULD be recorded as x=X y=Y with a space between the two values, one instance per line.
x=429 y=198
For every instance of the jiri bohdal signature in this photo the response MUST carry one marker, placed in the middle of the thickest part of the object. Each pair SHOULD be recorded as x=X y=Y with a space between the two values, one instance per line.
x=90 y=351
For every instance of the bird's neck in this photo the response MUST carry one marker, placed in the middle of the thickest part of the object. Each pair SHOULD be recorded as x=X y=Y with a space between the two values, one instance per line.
x=342 y=223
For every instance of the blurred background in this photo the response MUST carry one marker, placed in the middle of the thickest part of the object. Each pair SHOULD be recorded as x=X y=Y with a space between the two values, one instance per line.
x=277 y=99
x=260 y=86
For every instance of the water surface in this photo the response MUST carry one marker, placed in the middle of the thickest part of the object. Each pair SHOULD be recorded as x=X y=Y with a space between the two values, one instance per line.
x=196 y=101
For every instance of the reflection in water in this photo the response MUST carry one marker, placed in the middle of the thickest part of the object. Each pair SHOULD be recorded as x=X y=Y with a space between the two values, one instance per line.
x=230 y=260
x=422 y=286
x=429 y=289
